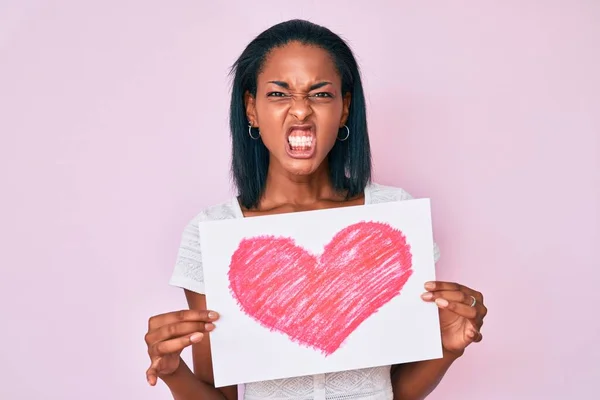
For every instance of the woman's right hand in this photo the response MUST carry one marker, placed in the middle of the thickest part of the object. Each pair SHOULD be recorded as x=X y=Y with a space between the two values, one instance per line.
x=170 y=333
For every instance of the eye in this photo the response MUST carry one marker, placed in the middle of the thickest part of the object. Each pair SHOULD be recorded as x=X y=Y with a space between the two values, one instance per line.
x=276 y=94
x=322 y=94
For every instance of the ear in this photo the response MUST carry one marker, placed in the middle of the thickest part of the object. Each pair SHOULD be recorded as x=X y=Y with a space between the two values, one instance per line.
x=346 y=109
x=250 y=103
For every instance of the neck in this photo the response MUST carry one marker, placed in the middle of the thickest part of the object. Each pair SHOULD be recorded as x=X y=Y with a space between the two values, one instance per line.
x=285 y=188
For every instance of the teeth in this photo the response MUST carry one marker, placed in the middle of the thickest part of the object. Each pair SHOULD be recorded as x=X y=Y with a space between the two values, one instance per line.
x=300 y=141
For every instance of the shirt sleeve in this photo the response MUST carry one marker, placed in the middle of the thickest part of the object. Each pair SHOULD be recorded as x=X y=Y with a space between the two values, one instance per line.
x=188 y=273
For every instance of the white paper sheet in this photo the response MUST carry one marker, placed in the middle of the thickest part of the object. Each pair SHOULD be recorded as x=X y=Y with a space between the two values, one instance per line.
x=320 y=291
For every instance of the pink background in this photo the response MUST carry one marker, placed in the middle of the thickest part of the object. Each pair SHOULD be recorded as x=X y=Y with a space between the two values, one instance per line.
x=114 y=134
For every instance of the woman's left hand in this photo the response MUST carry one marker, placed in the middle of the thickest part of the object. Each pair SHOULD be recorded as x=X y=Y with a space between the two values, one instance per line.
x=461 y=314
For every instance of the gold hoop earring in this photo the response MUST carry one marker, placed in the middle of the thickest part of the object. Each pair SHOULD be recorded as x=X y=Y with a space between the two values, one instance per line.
x=250 y=132
x=347 y=134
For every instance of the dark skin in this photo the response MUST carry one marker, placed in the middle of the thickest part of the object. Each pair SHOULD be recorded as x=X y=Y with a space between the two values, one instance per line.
x=300 y=85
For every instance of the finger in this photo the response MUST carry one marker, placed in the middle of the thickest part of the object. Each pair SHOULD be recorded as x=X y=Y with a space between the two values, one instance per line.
x=478 y=337
x=459 y=308
x=481 y=313
x=474 y=336
x=478 y=322
x=152 y=372
x=177 y=329
x=459 y=297
x=453 y=296
x=434 y=286
x=441 y=285
x=182 y=316
x=175 y=345
x=484 y=309
x=450 y=295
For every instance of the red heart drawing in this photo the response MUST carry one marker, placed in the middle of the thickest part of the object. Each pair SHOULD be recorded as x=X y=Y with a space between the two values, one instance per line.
x=318 y=301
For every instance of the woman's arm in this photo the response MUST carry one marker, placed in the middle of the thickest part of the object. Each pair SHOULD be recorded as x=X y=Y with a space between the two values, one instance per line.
x=187 y=385
x=184 y=385
x=461 y=311
x=416 y=380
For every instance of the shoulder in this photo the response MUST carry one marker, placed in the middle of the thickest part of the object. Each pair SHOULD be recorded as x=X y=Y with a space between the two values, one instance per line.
x=225 y=210
x=383 y=193
x=188 y=271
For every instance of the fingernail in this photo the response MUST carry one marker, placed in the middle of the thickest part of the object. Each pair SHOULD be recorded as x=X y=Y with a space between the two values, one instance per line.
x=209 y=327
x=212 y=315
x=442 y=302
x=196 y=337
x=430 y=285
x=427 y=296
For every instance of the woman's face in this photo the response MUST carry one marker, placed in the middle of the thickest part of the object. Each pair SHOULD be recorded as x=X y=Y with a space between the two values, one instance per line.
x=299 y=107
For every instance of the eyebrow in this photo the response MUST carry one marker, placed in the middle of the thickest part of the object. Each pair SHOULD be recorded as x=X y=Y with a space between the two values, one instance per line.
x=316 y=86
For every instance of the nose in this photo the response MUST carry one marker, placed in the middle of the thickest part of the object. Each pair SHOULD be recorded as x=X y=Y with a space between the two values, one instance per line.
x=300 y=107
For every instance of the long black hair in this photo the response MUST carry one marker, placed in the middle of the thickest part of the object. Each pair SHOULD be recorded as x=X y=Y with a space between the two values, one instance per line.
x=349 y=161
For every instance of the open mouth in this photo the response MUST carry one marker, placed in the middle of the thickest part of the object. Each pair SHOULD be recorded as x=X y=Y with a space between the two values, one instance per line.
x=301 y=141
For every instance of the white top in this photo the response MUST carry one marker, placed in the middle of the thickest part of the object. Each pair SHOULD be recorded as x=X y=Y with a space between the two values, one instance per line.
x=363 y=384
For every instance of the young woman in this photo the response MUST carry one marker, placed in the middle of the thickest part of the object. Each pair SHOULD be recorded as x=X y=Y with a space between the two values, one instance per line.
x=300 y=142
